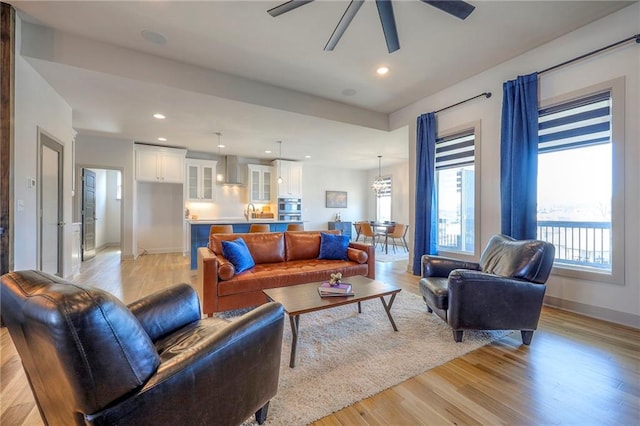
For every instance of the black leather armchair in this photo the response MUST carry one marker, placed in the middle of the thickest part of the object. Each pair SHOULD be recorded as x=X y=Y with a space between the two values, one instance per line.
x=504 y=291
x=90 y=359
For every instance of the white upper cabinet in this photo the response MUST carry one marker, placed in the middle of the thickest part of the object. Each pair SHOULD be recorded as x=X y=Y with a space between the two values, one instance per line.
x=160 y=164
x=200 y=182
x=260 y=183
x=291 y=173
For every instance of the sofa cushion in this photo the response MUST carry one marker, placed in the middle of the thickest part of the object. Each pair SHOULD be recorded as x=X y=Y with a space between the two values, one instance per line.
x=333 y=247
x=356 y=255
x=270 y=275
x=226 y=270
x=302 y=245
x=265 y=247
x=238 y=253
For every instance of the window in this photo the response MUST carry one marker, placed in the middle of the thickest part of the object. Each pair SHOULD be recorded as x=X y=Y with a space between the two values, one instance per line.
x=576 y=181
x=456 y=191
x=383 y=201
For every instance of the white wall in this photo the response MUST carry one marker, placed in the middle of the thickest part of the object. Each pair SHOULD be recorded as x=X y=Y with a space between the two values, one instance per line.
x=620 y=303
x=101 y=208
x=37 y=106
x=159 y=217
x=107 y=209
x=100 y=152
x=112 y=213
x=317 y=180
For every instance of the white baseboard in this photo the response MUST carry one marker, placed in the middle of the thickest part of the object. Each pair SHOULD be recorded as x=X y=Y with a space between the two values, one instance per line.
x=623 y=318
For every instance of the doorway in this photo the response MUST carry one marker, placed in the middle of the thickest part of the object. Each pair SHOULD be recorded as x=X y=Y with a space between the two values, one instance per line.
x=50 y=223
x=100 y=209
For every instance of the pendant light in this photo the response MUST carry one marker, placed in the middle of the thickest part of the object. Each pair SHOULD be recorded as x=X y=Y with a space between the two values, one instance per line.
x=279 y=163
x=379 y=184
x=219 y=176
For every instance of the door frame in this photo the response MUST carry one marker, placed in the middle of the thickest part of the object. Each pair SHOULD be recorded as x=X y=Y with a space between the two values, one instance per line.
x=78 y=201
x=45 y=139
x=7 y=101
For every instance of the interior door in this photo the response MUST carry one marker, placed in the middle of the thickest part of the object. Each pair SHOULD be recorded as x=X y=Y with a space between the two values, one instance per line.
x=51 y=225
x=88 y=214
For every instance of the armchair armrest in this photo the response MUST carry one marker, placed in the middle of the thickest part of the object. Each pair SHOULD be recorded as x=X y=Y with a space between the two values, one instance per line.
x=485 y=301
x=440 y=266
x=231 y=368
x=167 y=310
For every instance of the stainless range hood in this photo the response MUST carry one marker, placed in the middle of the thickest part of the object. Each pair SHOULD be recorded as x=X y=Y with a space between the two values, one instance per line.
x=231 y=172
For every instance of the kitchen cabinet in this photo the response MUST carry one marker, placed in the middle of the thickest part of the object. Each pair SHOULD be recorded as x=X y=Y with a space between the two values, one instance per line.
x=260 y=183
x=343 y=227
x=201 y=185
x=159 y=164
x=291 y=173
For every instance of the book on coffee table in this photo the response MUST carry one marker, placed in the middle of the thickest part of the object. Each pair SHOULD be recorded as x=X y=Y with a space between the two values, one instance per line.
x=340 y=288
x=327 y=294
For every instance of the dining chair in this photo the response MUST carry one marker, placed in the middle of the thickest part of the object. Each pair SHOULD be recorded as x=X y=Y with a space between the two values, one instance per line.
x=358 y=228
x=366 y=230
x=295 y=227
x=400 y=232
x=221 y=229
x=259 y=227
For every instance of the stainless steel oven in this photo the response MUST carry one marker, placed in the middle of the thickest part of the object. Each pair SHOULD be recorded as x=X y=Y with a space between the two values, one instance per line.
x=290 y=209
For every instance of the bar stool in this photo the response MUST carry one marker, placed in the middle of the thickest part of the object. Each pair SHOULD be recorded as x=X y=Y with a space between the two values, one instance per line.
x=221 y=229
x=295 y=227
x=259 y=227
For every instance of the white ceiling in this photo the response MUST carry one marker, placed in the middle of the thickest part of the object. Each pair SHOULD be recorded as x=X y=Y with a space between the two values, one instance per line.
x=282 y=58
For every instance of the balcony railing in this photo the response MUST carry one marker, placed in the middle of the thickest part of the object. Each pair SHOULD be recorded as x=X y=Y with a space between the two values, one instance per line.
x=576 y=243
x=579 y=243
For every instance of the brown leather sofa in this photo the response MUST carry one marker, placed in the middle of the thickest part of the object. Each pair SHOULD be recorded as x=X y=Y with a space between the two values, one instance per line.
x=282 y=259
x=91 y=360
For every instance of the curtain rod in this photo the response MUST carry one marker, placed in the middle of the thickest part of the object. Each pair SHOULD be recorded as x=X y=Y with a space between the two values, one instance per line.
x=486 y=94
x=634 y=37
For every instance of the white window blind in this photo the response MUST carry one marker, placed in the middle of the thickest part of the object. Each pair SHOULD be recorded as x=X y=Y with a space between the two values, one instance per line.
x=583 y=122
x=455 y=150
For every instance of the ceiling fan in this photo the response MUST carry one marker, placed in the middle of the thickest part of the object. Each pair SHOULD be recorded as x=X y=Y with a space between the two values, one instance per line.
x=458 y=8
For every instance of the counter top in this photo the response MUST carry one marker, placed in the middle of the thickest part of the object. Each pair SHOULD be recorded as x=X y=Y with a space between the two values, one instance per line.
x=236 y=221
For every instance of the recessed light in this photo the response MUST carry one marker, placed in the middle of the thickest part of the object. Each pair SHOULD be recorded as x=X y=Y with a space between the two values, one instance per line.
x=307 y=156
x=349 y=92
x=220 y=145
x=382 y=70
x=154 y=37
x=159 y=116
x=267 y=151
x=162 y=139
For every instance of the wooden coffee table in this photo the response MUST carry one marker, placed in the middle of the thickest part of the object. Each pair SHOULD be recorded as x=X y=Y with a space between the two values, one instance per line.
x=304 y=298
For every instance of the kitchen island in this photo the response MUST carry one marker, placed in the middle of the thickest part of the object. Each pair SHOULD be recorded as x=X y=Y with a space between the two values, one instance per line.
x=199 y=231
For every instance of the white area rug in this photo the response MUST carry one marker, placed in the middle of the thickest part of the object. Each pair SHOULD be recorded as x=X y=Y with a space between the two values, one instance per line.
x=344 y=356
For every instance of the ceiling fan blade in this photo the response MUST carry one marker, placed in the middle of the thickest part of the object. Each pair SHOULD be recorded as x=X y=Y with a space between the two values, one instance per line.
x=458 y=8
x=286 y=7
x=346 y=19
x=388 y=21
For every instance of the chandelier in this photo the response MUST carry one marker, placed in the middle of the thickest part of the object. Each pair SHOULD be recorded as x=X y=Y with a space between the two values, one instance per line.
x=380 y=184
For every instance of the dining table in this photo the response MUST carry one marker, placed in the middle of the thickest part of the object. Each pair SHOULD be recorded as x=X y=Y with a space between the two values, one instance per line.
x=384 y=228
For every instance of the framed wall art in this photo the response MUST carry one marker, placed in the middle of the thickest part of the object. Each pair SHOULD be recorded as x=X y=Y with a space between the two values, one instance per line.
x=336 y=199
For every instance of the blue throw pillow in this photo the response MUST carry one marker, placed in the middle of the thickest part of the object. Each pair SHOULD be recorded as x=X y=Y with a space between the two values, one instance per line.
x=333 y=247
x=238 y=253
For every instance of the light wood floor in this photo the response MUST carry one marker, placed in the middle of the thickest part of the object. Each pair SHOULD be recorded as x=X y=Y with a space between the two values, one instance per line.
x=577 y=371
